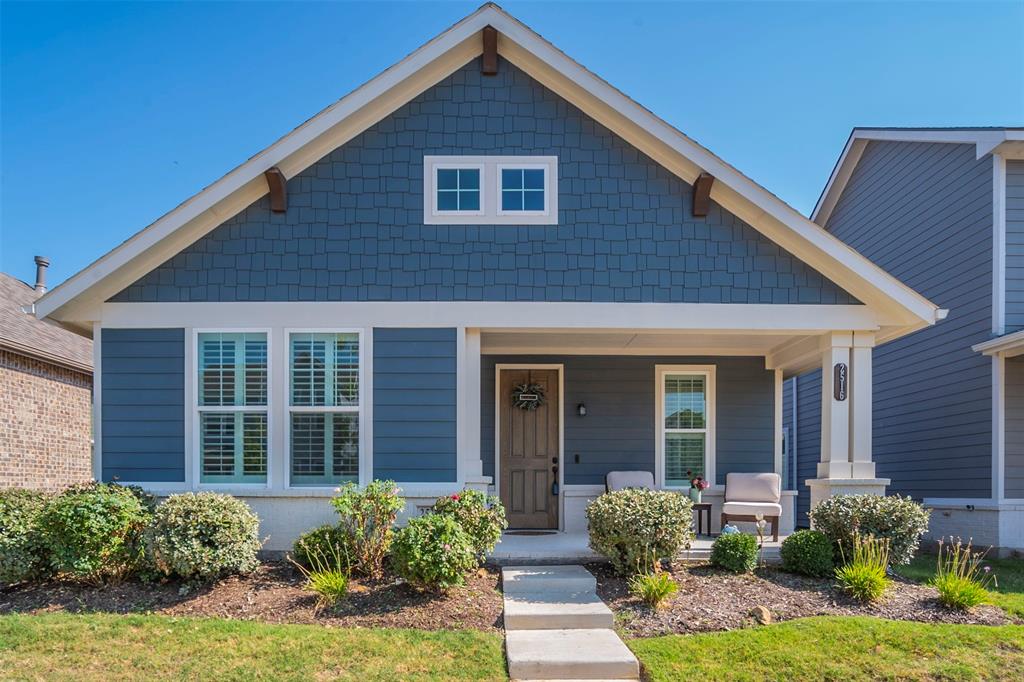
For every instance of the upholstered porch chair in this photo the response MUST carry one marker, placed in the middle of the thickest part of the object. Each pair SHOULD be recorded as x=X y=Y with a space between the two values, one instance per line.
x=620 y=480
x=748 y=496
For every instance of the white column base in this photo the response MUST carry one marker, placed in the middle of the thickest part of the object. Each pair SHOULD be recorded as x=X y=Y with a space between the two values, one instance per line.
x=480 y=483
x=824 y=488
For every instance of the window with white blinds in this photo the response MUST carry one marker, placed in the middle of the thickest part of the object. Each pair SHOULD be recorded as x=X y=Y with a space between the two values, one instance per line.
x=685 y=420
x=232 y=407
x=324 y=408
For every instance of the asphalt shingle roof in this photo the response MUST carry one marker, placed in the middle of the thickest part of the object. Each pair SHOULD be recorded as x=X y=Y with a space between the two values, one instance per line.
x=24 y=333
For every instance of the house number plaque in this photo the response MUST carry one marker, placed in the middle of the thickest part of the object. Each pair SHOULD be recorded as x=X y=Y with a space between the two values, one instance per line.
x=839 y=378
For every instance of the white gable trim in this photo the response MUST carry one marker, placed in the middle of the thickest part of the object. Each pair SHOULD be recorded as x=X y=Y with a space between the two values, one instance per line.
x=78 y=298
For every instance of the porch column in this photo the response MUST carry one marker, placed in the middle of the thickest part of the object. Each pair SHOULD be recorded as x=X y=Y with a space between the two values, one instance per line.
x=846 y=465
x=470 y=466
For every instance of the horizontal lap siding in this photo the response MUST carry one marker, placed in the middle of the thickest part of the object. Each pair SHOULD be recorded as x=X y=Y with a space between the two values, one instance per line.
x=1015 y=428
x=923 y=212
x=619 y=429
x=1014 y=245
x=414 y=404
x=808 y=441
x=143 y=404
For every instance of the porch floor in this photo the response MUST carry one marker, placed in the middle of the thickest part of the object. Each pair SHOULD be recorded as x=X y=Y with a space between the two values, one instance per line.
x=561 y=547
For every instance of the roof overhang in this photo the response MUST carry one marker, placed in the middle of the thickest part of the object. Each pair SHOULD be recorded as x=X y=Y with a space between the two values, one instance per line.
x=77 y=301
x=1006 y=142
x=1007 y=346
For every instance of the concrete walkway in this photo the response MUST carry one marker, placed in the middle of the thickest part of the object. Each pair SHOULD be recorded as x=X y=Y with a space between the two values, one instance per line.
x=556 y=627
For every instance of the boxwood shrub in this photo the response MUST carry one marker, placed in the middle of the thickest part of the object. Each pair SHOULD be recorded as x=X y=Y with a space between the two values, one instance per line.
x=808 y=552
x=94 y=531
x=635 y=528
x=735 y=552
x=900 y=520
x=22 y=553
x=433 y=551
x=482 y=516
x=199 y=536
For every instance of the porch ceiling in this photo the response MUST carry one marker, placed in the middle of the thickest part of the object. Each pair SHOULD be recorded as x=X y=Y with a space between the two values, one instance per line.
x=648 y=342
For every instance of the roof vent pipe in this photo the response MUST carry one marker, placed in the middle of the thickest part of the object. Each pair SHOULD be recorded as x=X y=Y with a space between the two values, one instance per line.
x=42 y=262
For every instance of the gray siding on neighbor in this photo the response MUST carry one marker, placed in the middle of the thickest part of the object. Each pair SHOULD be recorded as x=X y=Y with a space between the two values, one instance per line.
x=808 y=438
x=1014 y=246
x=923 y=212
x=414 y=404
x=619 y=429
x=1014 y=462
x=354 y=226
x=143 y=404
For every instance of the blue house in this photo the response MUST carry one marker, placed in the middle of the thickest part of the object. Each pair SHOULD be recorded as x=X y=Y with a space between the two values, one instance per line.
x=485 y=267
x=943 y=210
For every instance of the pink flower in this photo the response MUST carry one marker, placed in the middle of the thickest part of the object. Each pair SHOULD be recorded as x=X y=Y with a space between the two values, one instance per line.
x=455 y=497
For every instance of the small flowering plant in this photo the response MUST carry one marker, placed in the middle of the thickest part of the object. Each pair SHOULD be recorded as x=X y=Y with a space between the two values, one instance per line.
x=433 y=552
x=697 y=482
x=482 y=516
x=366 y=517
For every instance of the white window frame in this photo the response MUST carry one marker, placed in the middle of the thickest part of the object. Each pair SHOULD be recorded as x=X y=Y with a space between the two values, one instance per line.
x=708 y=372
x=197 y=410
x=361 y=410
x=490 y=212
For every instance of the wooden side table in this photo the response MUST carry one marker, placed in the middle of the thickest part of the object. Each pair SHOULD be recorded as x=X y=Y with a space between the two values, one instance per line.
x=702 y=509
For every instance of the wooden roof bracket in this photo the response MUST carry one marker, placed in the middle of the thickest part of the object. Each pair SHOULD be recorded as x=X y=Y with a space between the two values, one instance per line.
x=702 y=195
x=489 y=65
x=278 y=185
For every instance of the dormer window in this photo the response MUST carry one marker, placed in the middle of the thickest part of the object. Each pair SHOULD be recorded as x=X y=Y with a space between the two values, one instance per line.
x=490 y=190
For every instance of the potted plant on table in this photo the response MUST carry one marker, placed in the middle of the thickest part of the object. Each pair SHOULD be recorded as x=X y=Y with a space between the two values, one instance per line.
x=697 y=486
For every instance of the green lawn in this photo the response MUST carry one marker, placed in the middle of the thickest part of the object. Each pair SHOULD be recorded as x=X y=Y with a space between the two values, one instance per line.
x=116 y=647
x=1009 y=574
x=839 y=648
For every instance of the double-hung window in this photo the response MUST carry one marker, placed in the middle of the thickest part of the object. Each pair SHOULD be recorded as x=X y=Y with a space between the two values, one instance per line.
x=232 y=407
x=685 y=424
x=490 y=190
x=324 y=408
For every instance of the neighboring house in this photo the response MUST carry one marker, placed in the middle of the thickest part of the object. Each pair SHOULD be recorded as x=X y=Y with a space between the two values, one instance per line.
x=943 y=210
x=369 y=296
x=45 y=394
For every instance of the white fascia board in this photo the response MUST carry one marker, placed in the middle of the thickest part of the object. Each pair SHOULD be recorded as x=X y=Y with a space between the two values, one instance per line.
x=426 y=66
x=706 y=317
x=1008 y=346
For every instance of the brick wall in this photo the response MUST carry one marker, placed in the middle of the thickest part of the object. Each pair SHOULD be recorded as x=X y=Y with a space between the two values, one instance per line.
x=45 y=424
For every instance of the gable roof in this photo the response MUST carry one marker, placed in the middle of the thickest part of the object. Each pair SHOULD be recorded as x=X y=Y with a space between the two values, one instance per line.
x=76 y=300
x=1008 y=141
x=23 y=333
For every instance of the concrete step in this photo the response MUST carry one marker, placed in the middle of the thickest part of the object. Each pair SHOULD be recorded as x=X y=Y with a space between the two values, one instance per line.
x=535 y=578
x=569 y=655
x=553 y=609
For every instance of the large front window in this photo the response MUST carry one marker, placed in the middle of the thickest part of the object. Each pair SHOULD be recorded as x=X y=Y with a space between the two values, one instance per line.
x=232 y=407
x=324 y=406
x=686 y=437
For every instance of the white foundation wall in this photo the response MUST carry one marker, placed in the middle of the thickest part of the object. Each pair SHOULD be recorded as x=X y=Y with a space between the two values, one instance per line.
x=986 y=524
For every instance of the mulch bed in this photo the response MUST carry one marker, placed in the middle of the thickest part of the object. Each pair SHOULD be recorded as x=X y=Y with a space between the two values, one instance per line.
x=710 y=599
x=274 y=594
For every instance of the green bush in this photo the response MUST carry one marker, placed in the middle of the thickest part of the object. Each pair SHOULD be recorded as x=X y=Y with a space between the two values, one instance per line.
x=325 y=540
x=22 y=554
x=864 y=576
x=959 y=578
x=900 y=520
x=735 y=552
x=652 y=588
x=94 y=531
x=367 y=519
x=808 y=552
x=200 y=536
x=433 y=551
x=635 y=528
x=482 y=516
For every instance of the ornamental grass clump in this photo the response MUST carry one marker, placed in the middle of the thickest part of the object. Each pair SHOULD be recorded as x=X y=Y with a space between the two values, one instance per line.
x=433 y=552
x=900 y=520
x=808 y=552
x=482 y=516
x=325 y=567
x=93 y=532
x=736 y=552
x=653 y=589
x=322 y=540
x=864 y=576
x=202 y=536
x=636 y=528
x=366 y=519
x=960 y=578
x=22 y=553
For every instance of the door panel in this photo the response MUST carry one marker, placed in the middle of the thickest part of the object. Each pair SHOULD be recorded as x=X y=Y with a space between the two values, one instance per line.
x=528 y=452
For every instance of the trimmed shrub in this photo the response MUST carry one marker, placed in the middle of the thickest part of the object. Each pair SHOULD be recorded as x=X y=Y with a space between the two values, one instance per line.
x=94 y=531
x=433 y=551
x=482 y=516
x=22 y=554
x=897 y=519
x=636 y=528
x=808 y=552
x=652 y=588
x=325 y=540
x=864 y=577
x=367 y=517
x=736 y=552
x=200 y=536
x=959 y=577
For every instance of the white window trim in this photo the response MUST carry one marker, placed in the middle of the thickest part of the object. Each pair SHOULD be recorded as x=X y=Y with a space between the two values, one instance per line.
x=361 y=410
x=196 y=410
x=490 y=191
x=708 y=371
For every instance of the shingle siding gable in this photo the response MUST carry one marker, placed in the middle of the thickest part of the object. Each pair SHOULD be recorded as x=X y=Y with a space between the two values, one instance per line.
x=354 y=227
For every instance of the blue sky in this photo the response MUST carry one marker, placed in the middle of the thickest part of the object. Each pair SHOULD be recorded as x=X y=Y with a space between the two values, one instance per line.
x=112 y=114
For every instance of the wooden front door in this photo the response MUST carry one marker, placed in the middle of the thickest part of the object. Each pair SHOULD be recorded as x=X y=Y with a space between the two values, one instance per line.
x=528 y=452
